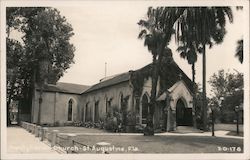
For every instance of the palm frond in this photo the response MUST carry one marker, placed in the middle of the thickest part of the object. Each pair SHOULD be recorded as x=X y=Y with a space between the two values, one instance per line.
x=142 y=34
x=239 y=50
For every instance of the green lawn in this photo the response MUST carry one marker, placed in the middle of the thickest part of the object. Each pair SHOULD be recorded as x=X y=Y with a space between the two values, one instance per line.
x=160 y=144
x=227 y=127
x=153 y=144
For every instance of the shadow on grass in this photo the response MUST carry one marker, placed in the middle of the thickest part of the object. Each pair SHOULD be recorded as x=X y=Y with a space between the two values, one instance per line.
x=234 y=133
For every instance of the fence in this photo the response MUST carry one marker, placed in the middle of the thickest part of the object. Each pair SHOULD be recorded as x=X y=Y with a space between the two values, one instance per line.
x=65 y=141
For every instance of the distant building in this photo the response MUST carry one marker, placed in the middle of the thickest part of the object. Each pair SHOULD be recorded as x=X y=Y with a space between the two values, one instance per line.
x=65 y=103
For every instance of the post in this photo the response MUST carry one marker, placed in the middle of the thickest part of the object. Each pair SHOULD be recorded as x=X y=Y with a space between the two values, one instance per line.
x=237 y=109
x=30 y=127
x=237 y=116
x=43 y=132
x=212 y=122
x=38 y=131
x=54 y=133
x=26 y=126
x=33 y=128
x=46 y=131
x=71 y=143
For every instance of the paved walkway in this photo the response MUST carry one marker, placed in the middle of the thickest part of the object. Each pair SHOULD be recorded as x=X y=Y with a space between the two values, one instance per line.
x=219 y=133
x=21 y=141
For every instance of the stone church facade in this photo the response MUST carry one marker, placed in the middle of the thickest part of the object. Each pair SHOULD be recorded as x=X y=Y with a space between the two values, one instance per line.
x=65 y=103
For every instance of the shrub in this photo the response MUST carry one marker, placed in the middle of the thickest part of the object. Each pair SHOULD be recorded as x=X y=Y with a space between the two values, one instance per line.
x=77 y=123
x=113 y=120
x=139 y=128
x=131 y=118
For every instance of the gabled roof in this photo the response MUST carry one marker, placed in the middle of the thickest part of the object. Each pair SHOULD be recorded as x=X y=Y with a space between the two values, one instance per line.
x=177 y=84
x=170 y=74
x=65 y=88
x=109 y=82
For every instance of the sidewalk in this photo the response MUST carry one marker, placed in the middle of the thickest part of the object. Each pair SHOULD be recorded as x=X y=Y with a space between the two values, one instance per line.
x=219 y=133
x=21 y=141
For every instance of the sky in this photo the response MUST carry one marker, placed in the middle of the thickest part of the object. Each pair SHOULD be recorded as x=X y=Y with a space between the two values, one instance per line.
x=106 y=32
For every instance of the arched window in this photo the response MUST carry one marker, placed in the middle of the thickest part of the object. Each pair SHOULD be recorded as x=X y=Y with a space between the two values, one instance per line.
x=96 y=111
x=145 y=108
x=121 y=100
x=70 y=112
x=87 y=113
x=109 y=105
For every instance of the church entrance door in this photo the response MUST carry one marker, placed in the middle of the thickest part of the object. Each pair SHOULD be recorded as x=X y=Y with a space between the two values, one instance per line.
x=183 y=114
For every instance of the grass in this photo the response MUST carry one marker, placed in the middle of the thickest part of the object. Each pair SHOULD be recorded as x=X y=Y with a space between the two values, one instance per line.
x=227 y=127
x=160 y=144
x=155 y=144
x=234 y=133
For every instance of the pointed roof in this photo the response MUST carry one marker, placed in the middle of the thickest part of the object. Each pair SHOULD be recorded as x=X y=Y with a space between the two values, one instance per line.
x=65 y=88
x=163 y=96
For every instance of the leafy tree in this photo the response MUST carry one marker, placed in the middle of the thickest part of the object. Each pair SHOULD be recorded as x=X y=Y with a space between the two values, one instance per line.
x=239 y=50
x=201 y=27
x=14 y=50
x=46 y=48
x=230 y=87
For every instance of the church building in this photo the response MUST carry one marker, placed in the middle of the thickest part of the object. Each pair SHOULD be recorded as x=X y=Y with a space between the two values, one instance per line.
x=129 y=92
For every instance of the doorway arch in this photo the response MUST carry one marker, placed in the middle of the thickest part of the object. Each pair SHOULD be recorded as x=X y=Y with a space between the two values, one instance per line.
x=183 y=114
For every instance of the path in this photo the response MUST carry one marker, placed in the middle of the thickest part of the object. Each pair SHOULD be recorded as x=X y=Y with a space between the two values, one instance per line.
x=21 y=141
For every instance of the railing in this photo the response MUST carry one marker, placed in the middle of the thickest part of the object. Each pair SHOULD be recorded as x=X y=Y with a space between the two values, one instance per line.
x=55 y=138
x=61 y=141
x=79 y=146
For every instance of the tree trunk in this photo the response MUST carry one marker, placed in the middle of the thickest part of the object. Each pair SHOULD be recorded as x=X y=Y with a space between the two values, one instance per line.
x=152 y=103
x=149 y=130
x=8 y=105
x=8 y=112
x=193 y=74
x=155 y=74
x=194 y=96
x=39 y=106
x=204 y=97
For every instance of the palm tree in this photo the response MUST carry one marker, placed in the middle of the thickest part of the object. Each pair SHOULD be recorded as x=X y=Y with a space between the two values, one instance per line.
x=189 y=53
x=203 y=26
x=239 y=50
x=156 y=32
